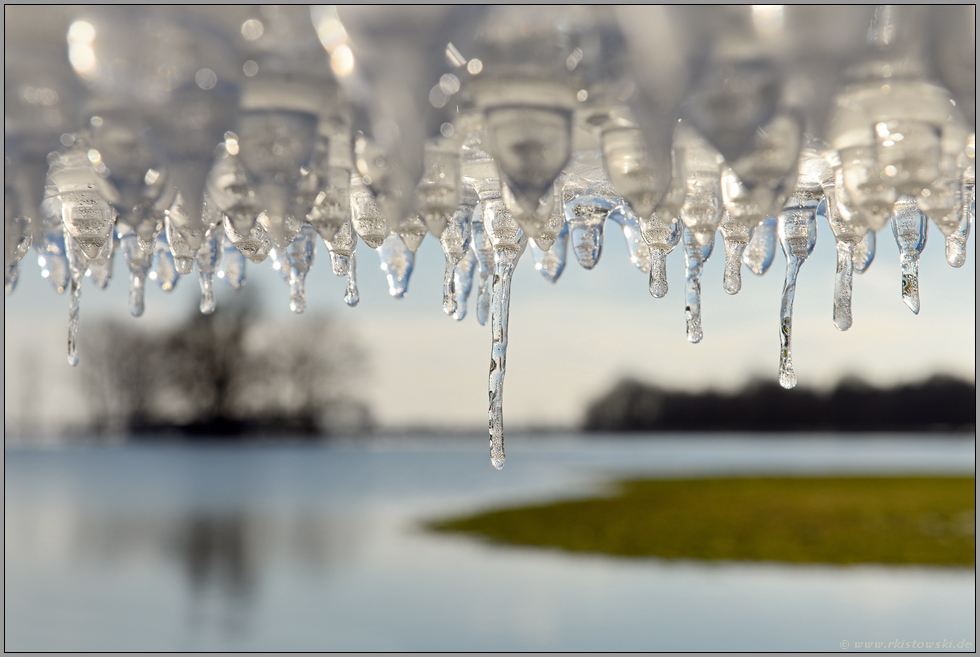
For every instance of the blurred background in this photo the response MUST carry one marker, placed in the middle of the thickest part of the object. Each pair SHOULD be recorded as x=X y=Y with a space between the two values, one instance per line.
x=255 y=479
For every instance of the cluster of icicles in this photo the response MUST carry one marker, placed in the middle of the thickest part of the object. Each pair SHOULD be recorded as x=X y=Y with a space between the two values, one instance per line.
x=516 y=165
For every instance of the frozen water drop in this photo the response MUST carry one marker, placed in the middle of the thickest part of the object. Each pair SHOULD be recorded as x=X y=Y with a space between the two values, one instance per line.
x=397 y=262
x=455 y=240
x=909 y=226
x=695 y=255
x=551 y=263
x=341 y=247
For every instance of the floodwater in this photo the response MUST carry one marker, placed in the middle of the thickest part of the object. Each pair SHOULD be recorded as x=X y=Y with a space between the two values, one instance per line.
x=320 y=547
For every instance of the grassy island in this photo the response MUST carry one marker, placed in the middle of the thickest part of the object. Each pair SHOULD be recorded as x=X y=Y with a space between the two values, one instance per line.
x=837 y=520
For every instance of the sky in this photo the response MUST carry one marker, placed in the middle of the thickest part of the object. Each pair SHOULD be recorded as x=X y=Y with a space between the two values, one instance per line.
x=569 y=342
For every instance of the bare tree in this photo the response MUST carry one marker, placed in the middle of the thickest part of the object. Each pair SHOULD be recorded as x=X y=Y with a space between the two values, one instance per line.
x=225 y=374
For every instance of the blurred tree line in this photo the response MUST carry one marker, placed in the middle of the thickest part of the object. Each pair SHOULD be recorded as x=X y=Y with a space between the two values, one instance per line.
x=941 y=403
x=224 y=374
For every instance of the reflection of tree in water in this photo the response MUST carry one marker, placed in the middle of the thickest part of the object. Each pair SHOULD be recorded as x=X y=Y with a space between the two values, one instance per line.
x=224 y=374
x=216 y=554
x=224 y=555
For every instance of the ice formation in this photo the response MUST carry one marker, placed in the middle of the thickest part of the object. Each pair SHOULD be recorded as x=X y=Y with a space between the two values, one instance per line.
x=291 y=128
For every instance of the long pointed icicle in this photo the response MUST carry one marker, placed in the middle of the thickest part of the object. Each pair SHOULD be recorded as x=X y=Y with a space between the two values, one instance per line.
x=509 y=243
x=797 y=228
x=77 y=263
x=695 y=256
x=463 y=280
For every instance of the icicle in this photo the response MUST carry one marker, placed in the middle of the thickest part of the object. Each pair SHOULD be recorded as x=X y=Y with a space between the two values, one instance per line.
x=208 y=258
x=551 y=263
x=463 y=281
x=366 y=216
x=341 y=247
x=909 y=226
x=797 y=230
x=352 y=296
x=87 y=215
x=254 y=245
x=740 y=218
x=586 y=217
x=397 y=262
x=232 y=270
x=164 y=271
x=100 y=267
x=695 y=256
x=455 y=240
x=761 y=249
x=299 y=258
x=662 y=230
x=639 y=252
x=847 y=234
x=864 y=253
x=509 y=243
x=77 y=263
x=483 y=249
x=438 y=192
x=138 y=262
x=703 y=206
x=185 y=233
x=956 y=241
x=230 y=187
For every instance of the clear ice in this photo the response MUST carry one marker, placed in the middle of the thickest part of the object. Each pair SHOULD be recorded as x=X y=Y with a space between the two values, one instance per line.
x=695 y=255
x=397 y=262
x=232 y=266
x=909 y=226
x=208 y=259
x=463 y=282
x=455 y=240
x=797 y=229
x=761 y=249
x=164 y=272
x=551 y=263
x=508 y=242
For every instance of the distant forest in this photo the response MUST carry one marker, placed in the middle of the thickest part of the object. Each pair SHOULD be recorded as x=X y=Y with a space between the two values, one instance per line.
x=941 y=403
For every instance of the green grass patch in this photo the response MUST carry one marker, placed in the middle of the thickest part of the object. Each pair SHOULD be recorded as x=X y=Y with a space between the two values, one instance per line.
x=838 y=520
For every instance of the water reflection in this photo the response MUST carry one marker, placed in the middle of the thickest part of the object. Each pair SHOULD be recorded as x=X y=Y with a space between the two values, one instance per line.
x=314 y=548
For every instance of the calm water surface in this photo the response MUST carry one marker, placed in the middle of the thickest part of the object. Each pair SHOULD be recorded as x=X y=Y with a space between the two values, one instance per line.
x=319 y=547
